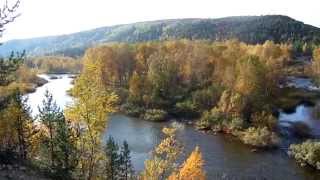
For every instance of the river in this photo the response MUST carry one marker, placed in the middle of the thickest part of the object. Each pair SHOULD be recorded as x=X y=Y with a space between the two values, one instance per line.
x=224 y=156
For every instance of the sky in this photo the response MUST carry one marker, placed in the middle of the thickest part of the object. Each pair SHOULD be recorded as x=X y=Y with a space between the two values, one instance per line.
x=55 y=17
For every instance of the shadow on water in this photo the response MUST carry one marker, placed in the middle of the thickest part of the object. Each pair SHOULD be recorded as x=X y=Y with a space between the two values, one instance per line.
x=293 y=109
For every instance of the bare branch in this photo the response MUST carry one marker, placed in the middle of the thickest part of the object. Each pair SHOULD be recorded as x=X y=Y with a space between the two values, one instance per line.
x=8 y=14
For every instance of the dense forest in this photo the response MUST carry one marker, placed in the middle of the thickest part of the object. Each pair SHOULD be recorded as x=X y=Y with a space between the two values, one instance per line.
x=249 y=29
x=228 y=85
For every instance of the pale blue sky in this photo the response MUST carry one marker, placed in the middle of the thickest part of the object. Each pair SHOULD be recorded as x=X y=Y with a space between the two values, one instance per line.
x=55 y=17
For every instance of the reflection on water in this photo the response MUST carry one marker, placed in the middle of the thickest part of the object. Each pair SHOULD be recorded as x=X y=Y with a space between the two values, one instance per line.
x=304 y=116
x=57 y=87
x=300 y=83
x=224 y=156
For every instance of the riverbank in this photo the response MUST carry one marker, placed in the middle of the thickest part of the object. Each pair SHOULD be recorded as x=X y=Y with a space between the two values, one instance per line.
x=31 y=87
x=224 y=155
x=58 y=87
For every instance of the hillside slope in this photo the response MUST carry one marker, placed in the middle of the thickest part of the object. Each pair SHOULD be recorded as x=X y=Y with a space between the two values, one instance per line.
x=250 y=29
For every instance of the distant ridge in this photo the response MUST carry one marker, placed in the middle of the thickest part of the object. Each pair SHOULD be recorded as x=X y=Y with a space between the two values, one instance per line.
x=250 y=29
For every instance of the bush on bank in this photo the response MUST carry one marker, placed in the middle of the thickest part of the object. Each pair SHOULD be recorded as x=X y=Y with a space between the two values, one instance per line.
x=260 y=137
x=155 y=115
x=306 y=153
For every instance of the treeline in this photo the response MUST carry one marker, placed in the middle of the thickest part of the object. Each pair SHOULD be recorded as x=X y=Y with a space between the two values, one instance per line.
x=68 y=145
x=54 y=64
x=249 y=29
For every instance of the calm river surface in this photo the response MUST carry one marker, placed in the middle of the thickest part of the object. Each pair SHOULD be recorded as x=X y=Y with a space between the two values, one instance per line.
x=225 y=157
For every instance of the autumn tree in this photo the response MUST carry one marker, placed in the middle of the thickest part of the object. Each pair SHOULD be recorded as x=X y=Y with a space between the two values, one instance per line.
x=136 y=88
x=316 y=64
x=250 y=77
x=142 y=54
x=191 y=169
x=164 y=157
x=93 y=103
x=162 y=75
x=17 y=128
x=232 y=103
x=24 y=125
x=252 y=84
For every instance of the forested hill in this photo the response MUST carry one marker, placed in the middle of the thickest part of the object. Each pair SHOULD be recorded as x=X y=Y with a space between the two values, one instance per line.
x=250 y=29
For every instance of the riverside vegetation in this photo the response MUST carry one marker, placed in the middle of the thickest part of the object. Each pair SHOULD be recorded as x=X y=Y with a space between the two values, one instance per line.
x=230 y=87
x=68 y=145
x=65 y=147
x=307 y=153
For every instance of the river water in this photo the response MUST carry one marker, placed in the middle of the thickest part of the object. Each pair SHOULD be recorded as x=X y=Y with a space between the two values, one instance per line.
x=224 y=156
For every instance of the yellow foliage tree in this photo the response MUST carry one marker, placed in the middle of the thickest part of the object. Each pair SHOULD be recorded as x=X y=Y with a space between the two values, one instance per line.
x=316 y=63
x=93 y=103
x=164 y=158
x=192 y=169
x=17 y=128
x=136 y=88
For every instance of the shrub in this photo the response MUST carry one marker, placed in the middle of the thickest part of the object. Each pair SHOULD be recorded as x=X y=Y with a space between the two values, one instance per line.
x=264 y=119
x=232 y=103
x=186 y=108
x=205 y=99
x=155 y=115
x=132 y=110
x=204 y=123
x=211 y=120
x=307 y=153
x=260 y=137
x=236 y=123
